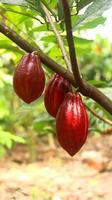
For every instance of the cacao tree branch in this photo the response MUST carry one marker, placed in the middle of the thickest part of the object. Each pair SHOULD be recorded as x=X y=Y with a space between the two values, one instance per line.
x=90 y=91
x=23 y=44
x=58 y=37
x=67 y=16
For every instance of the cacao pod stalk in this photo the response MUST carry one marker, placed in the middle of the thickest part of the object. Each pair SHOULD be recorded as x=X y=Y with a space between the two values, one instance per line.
x=29 y=78
x=72 y=123
x=55 y=93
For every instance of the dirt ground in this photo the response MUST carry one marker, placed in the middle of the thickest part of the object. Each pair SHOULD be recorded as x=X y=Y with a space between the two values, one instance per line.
x=57 y=176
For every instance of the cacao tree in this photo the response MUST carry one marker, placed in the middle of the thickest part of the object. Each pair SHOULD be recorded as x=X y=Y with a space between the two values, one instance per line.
x=49 y=28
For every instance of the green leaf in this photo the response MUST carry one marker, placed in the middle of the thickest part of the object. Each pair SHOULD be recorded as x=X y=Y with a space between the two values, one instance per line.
x=3 y=107
x=42 y=122
x=98 y=83
x=80 y=51
x=15 y=2
x=60 y=10
x=50 y=38
x=82 y=46
x=17 y=139
x=39 y=6
x=10 y=47
x=60 y=13
x=7 y=8
x=93 y=11
x=71 y=2
x=82 y=3
x=7 y=138
x=94 y=23
x=40 y=28
x=79 y=40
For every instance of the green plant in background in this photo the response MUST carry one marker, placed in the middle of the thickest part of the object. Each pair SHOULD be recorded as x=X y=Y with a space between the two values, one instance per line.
x=7 y=141
x=97 y=65
x=94 y=58
x=7 y=103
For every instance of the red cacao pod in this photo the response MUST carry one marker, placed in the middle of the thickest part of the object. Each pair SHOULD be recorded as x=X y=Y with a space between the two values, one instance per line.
x=55 y=93
x=72 y=123
x=29 y=78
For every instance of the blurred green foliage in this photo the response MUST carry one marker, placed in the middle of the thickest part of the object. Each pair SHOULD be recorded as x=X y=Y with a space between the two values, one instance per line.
x=94 y=57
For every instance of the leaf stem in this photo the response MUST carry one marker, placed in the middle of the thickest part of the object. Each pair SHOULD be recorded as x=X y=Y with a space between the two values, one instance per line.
x=50 y=10
x=58 y=37
x=98 y=116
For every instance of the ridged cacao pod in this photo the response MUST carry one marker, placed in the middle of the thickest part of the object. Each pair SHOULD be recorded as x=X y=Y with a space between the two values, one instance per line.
x=55 y=93
x=29 y=78
x=72 y=123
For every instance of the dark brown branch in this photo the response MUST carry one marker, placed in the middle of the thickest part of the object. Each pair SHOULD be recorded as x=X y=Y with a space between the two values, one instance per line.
x=84 y=87
x=67 y=16
x=90 y=91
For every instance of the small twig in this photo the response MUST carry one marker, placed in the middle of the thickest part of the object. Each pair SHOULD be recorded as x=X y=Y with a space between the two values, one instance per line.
x=98 y=116
x=51 y=11
x=58 y=37
x=67 y=16
x=46 y=5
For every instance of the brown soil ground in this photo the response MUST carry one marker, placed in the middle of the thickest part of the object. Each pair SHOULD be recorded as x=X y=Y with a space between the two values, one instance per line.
x=57 y=176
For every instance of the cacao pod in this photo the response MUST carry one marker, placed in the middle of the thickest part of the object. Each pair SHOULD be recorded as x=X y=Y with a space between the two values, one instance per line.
x=29 y=78
x=72 y=123
x=55 y=93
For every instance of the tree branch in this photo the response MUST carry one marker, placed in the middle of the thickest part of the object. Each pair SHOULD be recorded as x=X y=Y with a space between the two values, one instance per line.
x=84 y=88
x=90 y=91
x=70 y=40
x=23 y=44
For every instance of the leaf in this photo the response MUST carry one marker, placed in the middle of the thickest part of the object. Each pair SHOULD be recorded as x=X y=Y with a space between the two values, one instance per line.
x=98 y=83
x=79 y=40
x=3 y=107
x=52 y=3
x=60 y=13
x=80 y=51
x=15 y=2
x=40 y=28
x=17 y=139
x=93 y=11
x=39 y=6
x=71 y=2
x=93 y=23
x=7 y=138
x=10 y=47
x=42 y=122
x=82 y=3
x=48 y=39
